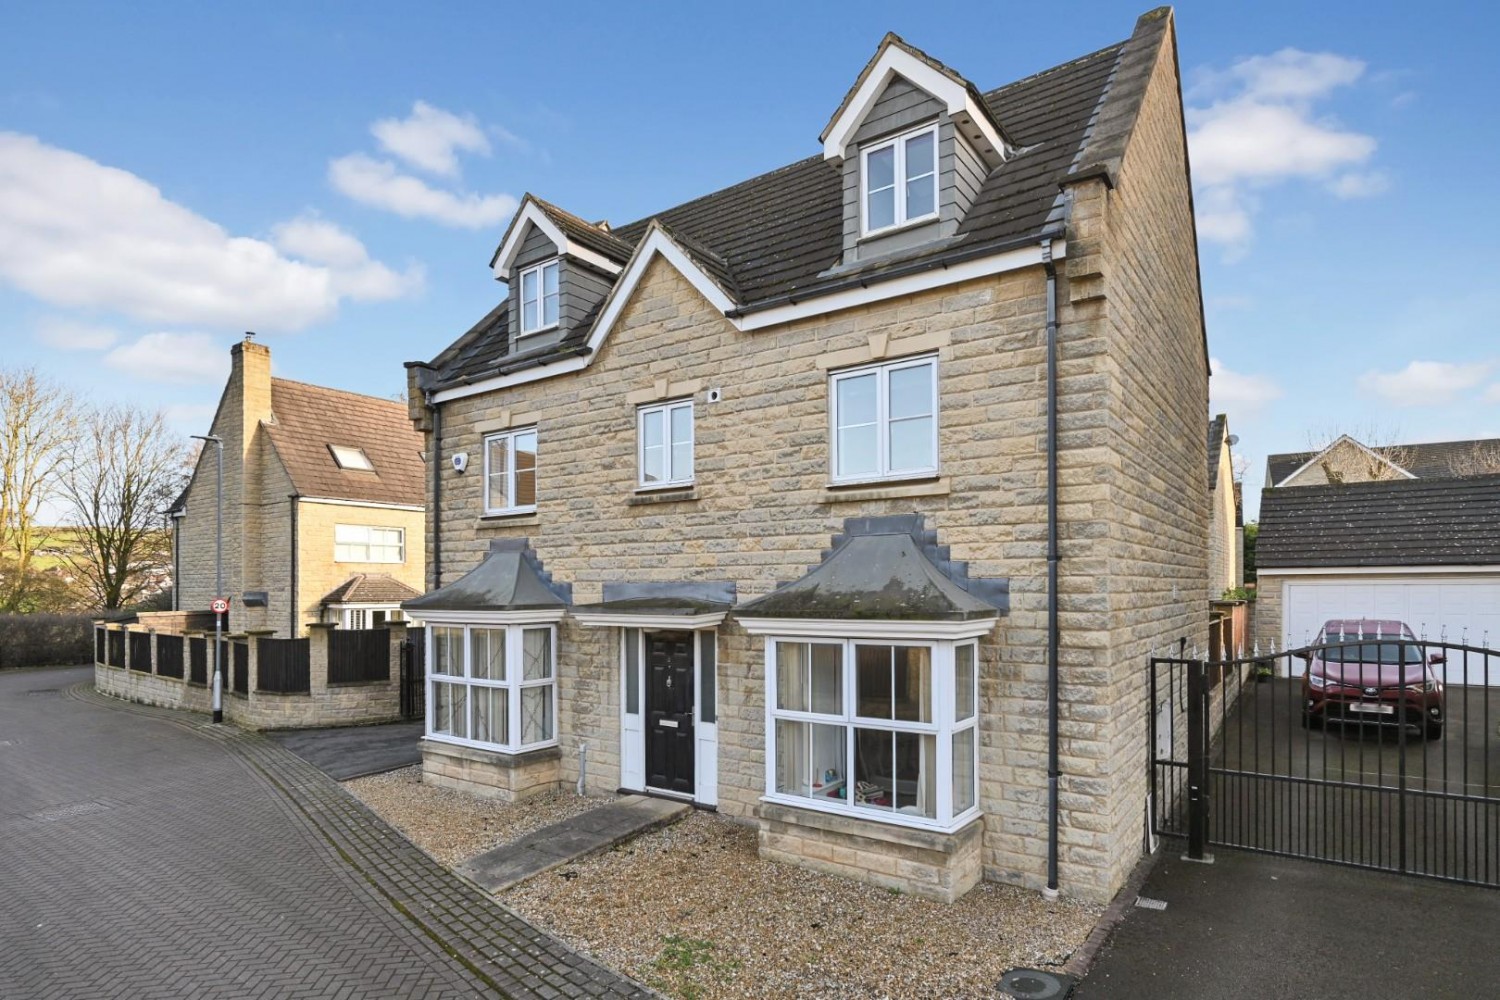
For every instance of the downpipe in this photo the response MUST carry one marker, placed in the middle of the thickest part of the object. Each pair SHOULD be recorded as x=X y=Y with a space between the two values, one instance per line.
x=583 y=767
x=436 y=514
x=1053 y=557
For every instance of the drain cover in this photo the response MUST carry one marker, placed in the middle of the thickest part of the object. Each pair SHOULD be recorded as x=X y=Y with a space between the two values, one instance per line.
x=1034 y=984
x=1147 y=903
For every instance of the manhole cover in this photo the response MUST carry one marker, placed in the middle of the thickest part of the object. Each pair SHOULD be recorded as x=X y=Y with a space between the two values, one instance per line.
x=68 y=812
x=1034 y=984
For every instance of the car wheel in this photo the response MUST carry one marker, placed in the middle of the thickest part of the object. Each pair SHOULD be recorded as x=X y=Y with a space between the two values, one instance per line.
x=1434 y=730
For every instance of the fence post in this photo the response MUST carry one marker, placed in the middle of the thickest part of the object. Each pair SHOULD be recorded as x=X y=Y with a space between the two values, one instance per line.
x=1197 y=723
x=317 y=657
x=151 y=643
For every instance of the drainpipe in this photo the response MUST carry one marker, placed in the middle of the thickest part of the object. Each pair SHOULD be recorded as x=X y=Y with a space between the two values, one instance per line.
x=292 y=504
x=436 y=513
x=1053 y=556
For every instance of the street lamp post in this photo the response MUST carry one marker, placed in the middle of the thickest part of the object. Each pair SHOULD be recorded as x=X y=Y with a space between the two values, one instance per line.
x=218 y=681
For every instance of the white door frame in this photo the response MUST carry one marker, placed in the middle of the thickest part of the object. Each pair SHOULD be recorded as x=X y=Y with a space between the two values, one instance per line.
x=633 y=726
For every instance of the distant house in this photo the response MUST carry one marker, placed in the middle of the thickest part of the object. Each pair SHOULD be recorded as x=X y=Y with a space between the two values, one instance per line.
x=1408 y=532
x=749 y=499
x=323 y=505
x=1226 y=534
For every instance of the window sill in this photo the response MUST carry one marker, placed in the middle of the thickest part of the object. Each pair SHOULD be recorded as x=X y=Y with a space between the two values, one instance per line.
x=887 y=489
x=922 y=220
x=505 y=520
x=899 y=829
x=665 y=494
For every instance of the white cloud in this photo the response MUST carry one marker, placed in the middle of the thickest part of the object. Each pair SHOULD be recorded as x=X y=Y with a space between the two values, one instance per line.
x=1360 y=185
x=70 y=335
x=77 y=233
x=1236 y=393
x=187 y=358
x=1259 y=127
x=1425 y=383
x=354 y=273
x=379 y=184
x=430 y=138
x=1492 y=394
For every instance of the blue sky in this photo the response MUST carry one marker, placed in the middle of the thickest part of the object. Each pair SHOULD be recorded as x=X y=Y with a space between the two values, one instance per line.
x=336 y=176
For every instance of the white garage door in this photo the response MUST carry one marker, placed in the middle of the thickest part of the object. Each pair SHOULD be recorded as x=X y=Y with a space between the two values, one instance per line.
x=1468 y=608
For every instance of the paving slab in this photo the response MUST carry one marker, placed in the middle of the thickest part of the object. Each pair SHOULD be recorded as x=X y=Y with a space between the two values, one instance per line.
x=561 y=843
x=355 y=751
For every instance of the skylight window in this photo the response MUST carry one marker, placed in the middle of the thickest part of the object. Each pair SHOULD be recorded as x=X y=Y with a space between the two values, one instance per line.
x=351 y=458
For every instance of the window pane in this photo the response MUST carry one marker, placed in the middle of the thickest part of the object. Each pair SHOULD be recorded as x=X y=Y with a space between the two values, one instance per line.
x=921 y=196
x=910 y=392
x=682 y=442
x=856 y=399
x=536 y=654
x=529 y=319
x=708 y=671
x=497 y=488
x=449 y=710
x=447 y=651
x=910 y=445
x=874 y=768
x=880 y=209
x=872 y=692
x=653 y=447
x=916 y=764
x=528 y=287
x=963 y=770
x=525 y=495
x=632 y=671
x=491 y=714
x=791 y=676
x=913 y=690
x=880 y=168
x=827 y=679
x=549 y=310
x=963 y=692
x=536 y=714
x=858 y=451
x=810 y=760
x=549 y=279
x=921 y=176
x=487 y=653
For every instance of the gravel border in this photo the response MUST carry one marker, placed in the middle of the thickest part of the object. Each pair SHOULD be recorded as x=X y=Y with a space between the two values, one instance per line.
x=693 y=911
x=453 y=826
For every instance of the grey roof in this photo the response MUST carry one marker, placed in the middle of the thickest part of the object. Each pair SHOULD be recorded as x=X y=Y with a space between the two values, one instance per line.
x=1400 y=522
x=1216 y=428
x=509 y=578
x=771 y=238
x=678 y=597
x=1434 y=460
x=884 y=568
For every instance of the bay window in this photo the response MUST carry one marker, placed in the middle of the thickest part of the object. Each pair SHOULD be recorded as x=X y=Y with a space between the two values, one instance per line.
x=493 y=686
x=880 y=729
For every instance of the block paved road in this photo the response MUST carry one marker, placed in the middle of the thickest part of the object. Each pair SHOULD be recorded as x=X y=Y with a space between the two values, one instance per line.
x=147 y=854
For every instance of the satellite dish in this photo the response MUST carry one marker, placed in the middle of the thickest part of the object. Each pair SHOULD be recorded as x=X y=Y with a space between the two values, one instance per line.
x=1233 y=439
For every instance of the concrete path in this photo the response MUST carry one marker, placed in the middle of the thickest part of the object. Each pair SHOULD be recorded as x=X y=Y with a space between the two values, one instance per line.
x=354 y=751
x=148 y=854
x=1252 y=925
x=588 y=833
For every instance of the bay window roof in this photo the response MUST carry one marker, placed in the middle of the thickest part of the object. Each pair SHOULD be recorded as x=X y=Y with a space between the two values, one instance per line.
x=509 y=578
x=888 y=569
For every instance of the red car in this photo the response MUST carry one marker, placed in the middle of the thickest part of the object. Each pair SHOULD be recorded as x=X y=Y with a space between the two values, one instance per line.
x=1368 y=671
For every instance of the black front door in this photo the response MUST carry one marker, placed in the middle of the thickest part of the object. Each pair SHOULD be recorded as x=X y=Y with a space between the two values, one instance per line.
x=669 y=711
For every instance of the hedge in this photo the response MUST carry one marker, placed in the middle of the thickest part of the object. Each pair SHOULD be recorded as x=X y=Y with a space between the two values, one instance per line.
x=43 y=640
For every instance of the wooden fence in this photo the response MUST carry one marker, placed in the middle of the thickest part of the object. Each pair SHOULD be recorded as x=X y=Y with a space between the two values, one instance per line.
x=356 y=656
x=283 y=666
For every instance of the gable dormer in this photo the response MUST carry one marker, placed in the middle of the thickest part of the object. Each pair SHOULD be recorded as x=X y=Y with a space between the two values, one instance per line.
x=915 y=142
x=558 y=267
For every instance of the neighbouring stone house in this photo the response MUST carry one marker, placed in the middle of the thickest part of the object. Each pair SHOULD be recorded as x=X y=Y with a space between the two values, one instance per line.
x=1226 y=536
x=1403 y=531
x=323 y=506
x=751 y=502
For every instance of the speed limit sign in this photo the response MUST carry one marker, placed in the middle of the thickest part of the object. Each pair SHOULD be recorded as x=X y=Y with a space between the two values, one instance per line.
x=219 y=606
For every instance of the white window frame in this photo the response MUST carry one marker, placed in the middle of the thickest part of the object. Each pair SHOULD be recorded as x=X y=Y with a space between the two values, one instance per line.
x=674 y=476
x=513 y=684
x=539 y=271
x=357 y=616
x=509 y=505
x=898 y=144
x=942 y=727
x=883 y=469
x=343 y=549
x=348 y=456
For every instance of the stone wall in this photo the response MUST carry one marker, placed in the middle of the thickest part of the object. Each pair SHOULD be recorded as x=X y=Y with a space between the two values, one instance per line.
x=507 y=777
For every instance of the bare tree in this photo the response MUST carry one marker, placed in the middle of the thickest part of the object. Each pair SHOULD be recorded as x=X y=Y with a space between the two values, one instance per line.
x=1480 y=459
x=125 y=472
x=36 y=428
x=1355 y=464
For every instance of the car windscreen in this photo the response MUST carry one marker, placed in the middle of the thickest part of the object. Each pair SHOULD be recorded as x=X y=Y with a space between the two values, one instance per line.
x=1370 y=652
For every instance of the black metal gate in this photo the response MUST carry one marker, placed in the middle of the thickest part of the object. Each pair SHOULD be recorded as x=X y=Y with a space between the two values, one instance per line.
x=414 y=675
x=1378 y=754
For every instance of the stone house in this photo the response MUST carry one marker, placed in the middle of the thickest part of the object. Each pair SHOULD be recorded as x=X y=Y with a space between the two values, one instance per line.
x=1226 y=536
x=1403 y=531
x=323 y=506
x=850 y=500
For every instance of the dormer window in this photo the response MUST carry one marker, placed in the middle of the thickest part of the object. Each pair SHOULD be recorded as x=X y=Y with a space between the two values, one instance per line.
x=539 y=297
x=899 y=178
